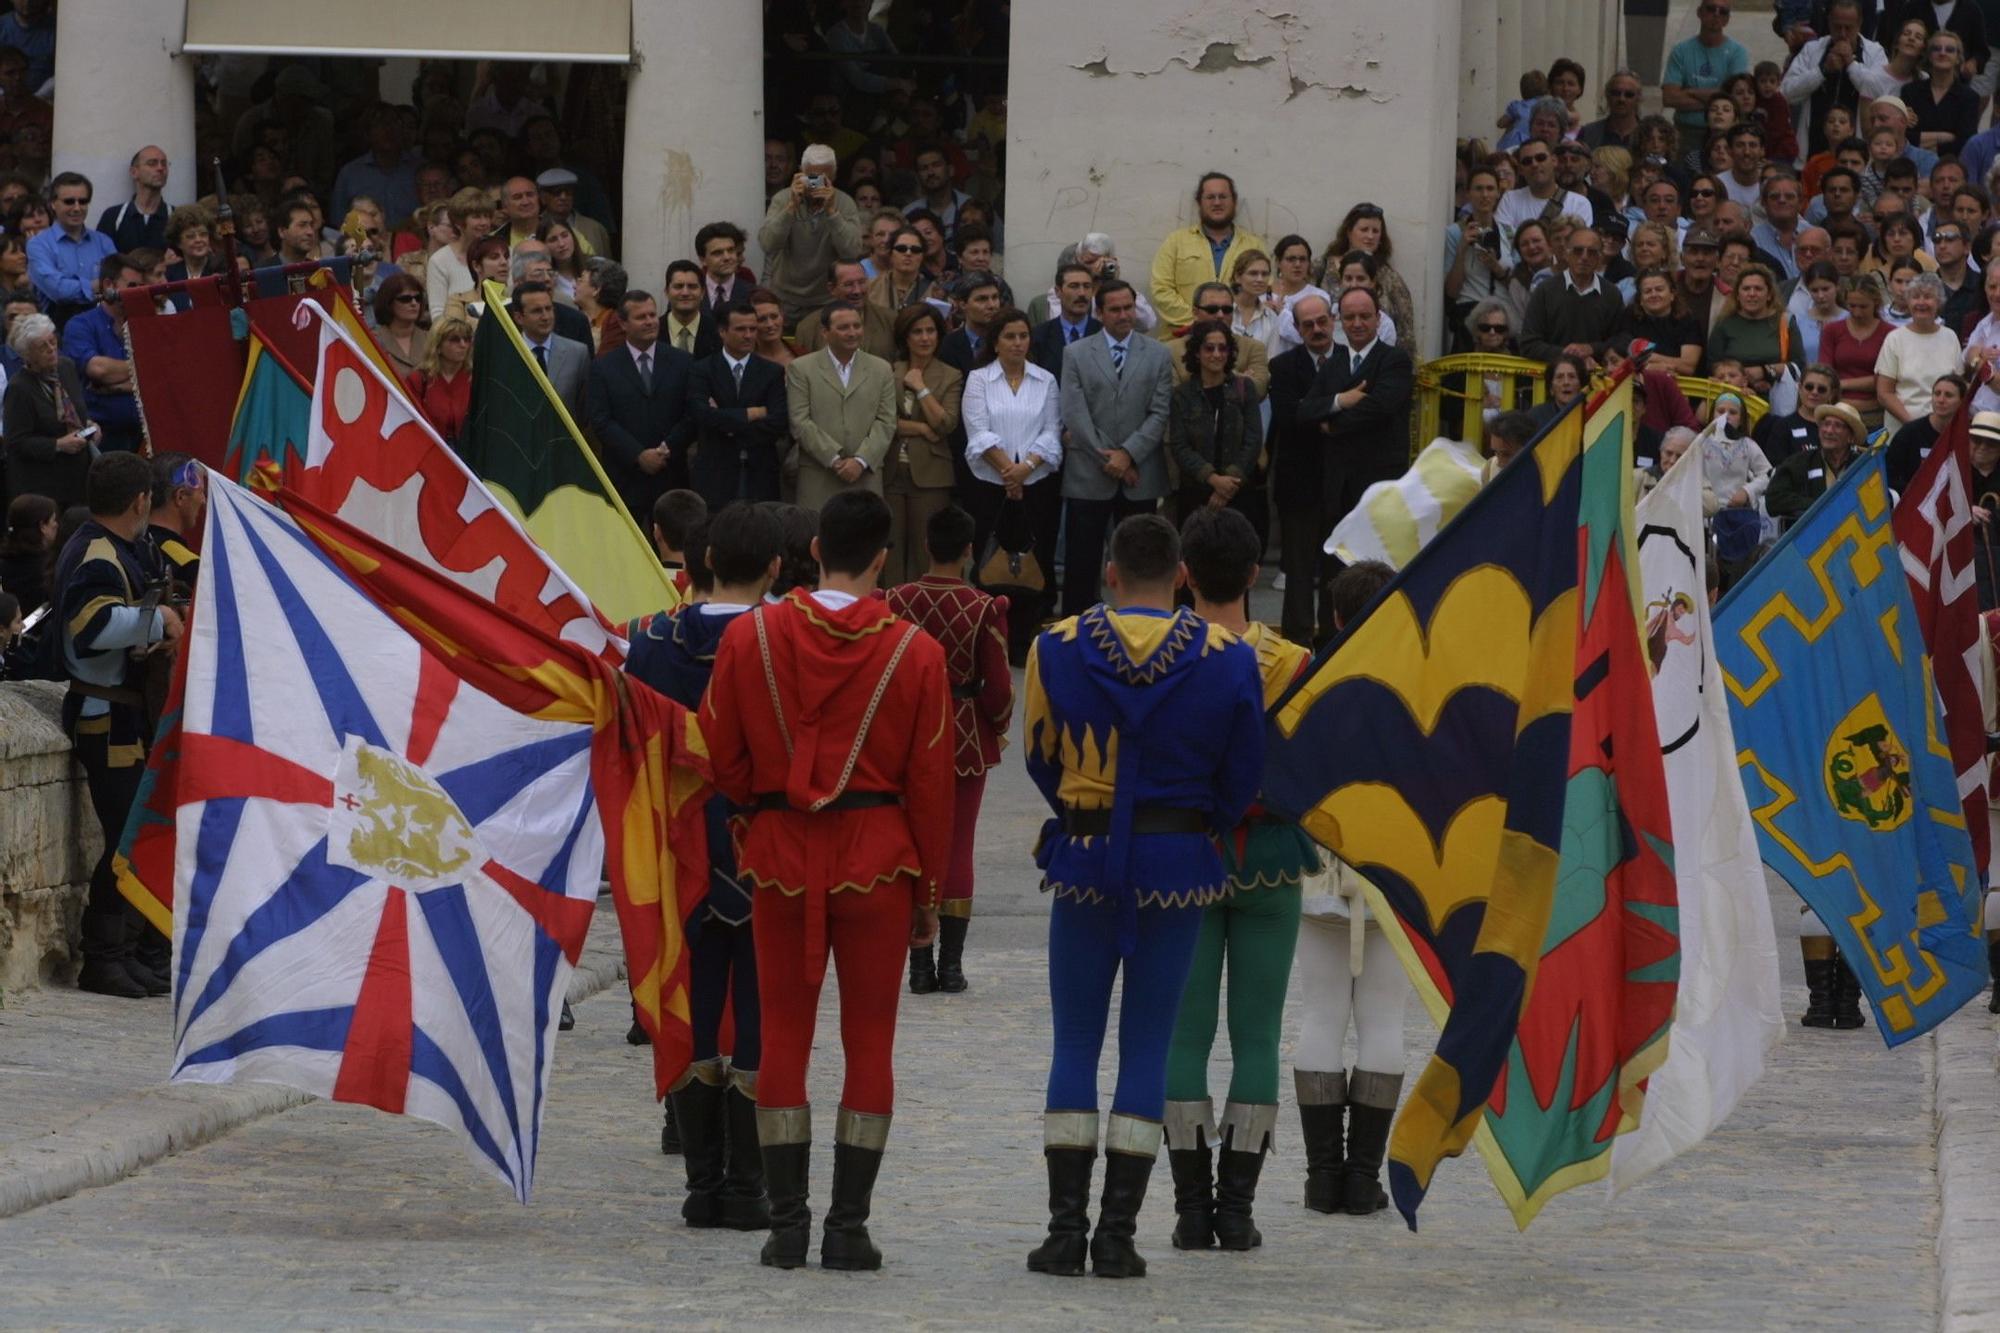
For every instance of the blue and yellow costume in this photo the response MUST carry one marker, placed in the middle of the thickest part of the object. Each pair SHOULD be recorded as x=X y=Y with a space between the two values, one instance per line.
x=1253 y=928
x=1145 y=733
x=715 y=1101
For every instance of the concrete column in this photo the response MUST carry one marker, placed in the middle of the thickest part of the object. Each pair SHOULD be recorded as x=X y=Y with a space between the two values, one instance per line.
x=1479 y=55
x=1507 y=68
x=122 y=83
x=694 y=136
x=1535 y=35
x=1388 y=76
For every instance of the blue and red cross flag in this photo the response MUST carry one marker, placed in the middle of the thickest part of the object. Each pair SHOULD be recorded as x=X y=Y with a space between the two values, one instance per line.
x=383 y=874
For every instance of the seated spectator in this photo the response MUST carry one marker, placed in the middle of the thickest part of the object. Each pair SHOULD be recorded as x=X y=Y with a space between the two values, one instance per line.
x=1620 y=125
x=1580 y=315
x=1662 y=407
x=906 y=283
x=489 y=263
x=1944 y=108
x=386 y=173
x=1910 y=446
x=25 y=551
x=1660 y=316
x=441 y=386
x=1738 y=472
x=95 y=342
x=1513 y=121
x=976 y=258
x=1982 y=346
x=1756 y=330
x=44 y=424
x=1781 y=436
x=1805 y=476
x=1674 y=443
x=1532 y=199
x=1472 y=247
x=565 y=256
x=1914 y=356
x=1897 y=237
x=807 y=226
x=449 y=271
x=1567 y=376
x=887 y=222
x=939 y=195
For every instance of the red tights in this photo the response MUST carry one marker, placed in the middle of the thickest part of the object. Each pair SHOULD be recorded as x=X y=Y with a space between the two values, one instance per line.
x=868 y=935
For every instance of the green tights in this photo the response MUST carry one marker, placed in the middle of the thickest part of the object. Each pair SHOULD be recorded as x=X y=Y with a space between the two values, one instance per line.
x=1256 y=932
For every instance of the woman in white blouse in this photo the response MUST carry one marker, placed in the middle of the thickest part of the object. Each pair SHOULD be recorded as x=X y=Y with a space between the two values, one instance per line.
x=1013 y=443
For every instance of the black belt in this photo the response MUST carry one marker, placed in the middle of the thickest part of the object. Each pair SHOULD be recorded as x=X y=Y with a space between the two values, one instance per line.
x=847 y=800
x=1145 y=819
x=969 y=690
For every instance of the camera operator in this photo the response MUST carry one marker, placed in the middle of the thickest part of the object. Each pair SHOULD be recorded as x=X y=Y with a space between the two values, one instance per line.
x=1472 y=249
x=809 y=225
x=111 y=619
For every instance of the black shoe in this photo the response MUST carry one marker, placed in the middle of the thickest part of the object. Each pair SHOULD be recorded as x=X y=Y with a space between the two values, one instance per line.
x=1847 y=999
x=108 y=976
x=1194 y=1197
x=1821 y=974
x=1068 y=1243
x=1993 y=966
x=1111 y=1251
x=670 y=1133
x=636 y=1034
x=1322 y=1127
x=698 y=1109
x=923 y=971
x=845 y=1246
x=786 y=1167
x=151 y=979
x=568 y=1019
x=744 y=1207
x=1235 y=1191
x=1361 y=1191
x=951 y=954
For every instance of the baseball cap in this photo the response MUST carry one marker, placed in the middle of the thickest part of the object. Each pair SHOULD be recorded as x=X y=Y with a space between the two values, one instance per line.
x=1701 y=236
x=556 y=177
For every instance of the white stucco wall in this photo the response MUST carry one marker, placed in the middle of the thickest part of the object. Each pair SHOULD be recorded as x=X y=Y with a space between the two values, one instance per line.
x=132 y=87
x=1114 y=110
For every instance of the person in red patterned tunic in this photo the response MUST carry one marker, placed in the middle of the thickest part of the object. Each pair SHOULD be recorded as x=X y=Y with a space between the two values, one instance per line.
x=972 y=628
x=829 y=718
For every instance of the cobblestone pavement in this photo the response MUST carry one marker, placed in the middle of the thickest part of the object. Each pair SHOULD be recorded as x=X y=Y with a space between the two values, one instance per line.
x=1815 y=1206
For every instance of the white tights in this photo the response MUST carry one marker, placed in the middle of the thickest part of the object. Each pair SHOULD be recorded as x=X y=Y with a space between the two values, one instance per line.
x=1374 y=999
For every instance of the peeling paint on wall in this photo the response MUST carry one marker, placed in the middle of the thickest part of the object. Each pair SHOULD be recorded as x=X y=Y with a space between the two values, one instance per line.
x=1218 y=37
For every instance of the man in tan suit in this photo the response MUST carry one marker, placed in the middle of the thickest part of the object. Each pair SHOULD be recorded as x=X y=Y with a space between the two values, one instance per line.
x=843 y=408
x=847 y=281
x=1212 y=300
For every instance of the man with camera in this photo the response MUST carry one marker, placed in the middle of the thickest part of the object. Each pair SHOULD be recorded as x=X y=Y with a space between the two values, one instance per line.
x=112 y=617
x=808 y=226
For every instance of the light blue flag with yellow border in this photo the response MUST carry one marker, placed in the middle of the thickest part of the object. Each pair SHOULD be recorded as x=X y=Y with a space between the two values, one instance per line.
x=1842 y=750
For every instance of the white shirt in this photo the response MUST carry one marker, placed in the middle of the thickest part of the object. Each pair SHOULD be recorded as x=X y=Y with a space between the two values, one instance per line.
x=736 y=365
x=1518 y=206
x=1023 y=424
x=844 y=368
x=650 y=350
x=1596 y=284
x=723 y=608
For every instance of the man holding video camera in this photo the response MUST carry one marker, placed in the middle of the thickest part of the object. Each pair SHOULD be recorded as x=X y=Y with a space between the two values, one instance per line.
x=808 y=226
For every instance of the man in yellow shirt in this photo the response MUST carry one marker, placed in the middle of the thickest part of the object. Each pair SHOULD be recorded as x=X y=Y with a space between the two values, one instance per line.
x=1205 y=252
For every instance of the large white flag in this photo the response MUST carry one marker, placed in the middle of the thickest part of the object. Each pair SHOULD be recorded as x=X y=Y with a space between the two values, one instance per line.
x=1393 y=520
x=1728 y=1013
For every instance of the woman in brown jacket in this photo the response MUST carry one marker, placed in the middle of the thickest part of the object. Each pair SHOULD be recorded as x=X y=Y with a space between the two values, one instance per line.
x=917 y=474
x=1214 y=435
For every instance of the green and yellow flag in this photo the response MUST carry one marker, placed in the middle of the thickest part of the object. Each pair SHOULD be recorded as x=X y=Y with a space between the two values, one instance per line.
x=524 y=445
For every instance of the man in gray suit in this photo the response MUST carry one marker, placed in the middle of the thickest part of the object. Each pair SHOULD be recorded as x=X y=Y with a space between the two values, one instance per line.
x=565 y=361
x=1116 y=388
x=842 y=403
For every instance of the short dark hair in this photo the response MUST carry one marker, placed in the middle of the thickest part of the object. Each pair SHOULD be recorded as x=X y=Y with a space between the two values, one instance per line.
x=835 y=307
x=676 y=513
x=1852 y=177
x=1368 y=292
x=683 y=266
x=1355 y=587
x=1517 y=428
x=1208 y=176
x=66 y=179
x=1064 y=270
x=1220 y=549
x=989 y=351
x=1146 y=549
x=165 y=466
x=912 y=315
x=115 y=480
x=713 y=230
x=973 y=282
x=1112 y=287
x=967 y=232
x=109 y=267
x=632 y=298
x=295 y=207
x=694 y=557
x=947 y=534
x=528 y=288
x=743 y=540
x=1746 y=129
x=853 y=530
x=738 y=306
x=799 y=525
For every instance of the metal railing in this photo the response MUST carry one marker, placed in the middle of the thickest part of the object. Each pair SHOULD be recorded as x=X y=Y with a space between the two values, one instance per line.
x=1452 y=392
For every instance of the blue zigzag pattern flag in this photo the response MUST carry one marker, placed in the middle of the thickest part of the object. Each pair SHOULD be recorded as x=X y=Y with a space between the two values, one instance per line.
x=383 y=875
x=1842 y=749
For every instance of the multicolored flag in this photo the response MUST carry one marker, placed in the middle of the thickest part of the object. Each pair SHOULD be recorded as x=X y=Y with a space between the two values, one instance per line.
x=1470 y=745
x=1727 y=1014
x=1844 y=757
x=1933 y=526
x=273 y=416
x=1393 y=520
x=386 y=872
x=520 y=439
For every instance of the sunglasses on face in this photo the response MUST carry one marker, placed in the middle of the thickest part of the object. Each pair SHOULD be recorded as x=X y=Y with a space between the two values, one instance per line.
x=1701 y=194
x=907 y=249
x=1219 y=310
x=410 y=296
x=1492 y=328
x=1621 y=94
x=1535 y=161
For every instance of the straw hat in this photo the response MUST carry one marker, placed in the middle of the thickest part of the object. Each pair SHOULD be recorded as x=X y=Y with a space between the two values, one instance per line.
x=1986 y=428
x=1856 y=432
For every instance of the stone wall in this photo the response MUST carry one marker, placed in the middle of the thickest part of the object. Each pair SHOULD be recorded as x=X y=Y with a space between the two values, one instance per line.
x=48 y=839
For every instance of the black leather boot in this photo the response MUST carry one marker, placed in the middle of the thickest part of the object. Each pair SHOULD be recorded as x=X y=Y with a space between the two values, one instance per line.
x=1246 y=1134
x=786 y=1136
x=1069 y=1140
x=151 y=961
x=1373 y=1107
x=670 y=1133
x=698 y=1108
x=744 y=1206
x=636 y=1034
x=859 y=1141
x=1130 y=1146
x=1847 y=998
x=1322 y=1115
x=1993 y=966
x=1188 y=1127
x=105 y=953
x=1821 y=975
x=923 y=971
x=951 y=954
x=567 y=1022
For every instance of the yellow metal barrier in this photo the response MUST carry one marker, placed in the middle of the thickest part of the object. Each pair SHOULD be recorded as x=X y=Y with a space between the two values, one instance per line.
x=1452 y=391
